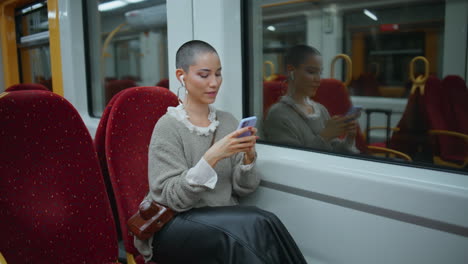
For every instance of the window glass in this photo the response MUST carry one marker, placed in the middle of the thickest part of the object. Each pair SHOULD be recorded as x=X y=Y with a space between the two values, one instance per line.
x=126 y=47
x=32 y=34
x=35 y=65
x=385 y=80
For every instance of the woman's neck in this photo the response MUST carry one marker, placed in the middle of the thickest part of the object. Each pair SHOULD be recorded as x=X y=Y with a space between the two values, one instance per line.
x=197 y=112
x=298 y=98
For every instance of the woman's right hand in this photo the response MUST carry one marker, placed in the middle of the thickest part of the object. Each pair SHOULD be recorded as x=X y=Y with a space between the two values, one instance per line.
x=230 y=145
x=336 y=126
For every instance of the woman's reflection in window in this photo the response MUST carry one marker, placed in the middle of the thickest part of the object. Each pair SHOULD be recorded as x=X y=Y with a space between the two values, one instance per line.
x=300 y=121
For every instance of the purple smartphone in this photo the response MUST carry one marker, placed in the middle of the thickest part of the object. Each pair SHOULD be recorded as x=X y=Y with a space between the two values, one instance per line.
x=353 y=110
x=246 y=122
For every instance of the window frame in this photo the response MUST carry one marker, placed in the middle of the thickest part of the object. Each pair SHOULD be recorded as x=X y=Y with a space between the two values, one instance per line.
x=248 y=101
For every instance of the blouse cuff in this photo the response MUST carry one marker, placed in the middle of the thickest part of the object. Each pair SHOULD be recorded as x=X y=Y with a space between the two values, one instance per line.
x=247 y=167
x=202 y=175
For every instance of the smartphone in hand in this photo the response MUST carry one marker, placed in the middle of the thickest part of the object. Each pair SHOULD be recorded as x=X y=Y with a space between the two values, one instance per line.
x=354 y=111
x=247 y=122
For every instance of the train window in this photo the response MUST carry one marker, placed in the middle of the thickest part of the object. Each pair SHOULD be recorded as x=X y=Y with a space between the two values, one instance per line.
x=126 y=46
x=384 y=80
x=32 y=34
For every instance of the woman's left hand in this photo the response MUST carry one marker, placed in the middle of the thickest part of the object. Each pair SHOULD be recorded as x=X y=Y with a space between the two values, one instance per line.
x=249 y=156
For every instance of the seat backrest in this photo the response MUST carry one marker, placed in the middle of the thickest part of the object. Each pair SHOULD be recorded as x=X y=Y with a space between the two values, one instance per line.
x=163 y=83
x=454 y=108
x=434 y=103
x=115 y=86
x=412 y=138
x=130 y=125
x=100 y=145
x=272 y=92
x=457 y=98
x=26 y=86
x=54 y=205
x=333 y=95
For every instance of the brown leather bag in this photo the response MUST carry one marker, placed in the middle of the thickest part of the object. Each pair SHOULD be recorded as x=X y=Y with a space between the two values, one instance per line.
x=151 y=216
x=149 y=219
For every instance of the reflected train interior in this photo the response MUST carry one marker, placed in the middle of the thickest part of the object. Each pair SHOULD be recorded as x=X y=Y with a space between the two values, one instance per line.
x=393 y=189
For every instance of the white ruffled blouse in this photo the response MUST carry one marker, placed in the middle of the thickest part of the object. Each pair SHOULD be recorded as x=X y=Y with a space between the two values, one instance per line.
x=180 y=114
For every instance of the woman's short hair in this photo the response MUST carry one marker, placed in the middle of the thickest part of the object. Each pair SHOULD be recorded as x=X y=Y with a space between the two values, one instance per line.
x=186 y=54
x=297 y=55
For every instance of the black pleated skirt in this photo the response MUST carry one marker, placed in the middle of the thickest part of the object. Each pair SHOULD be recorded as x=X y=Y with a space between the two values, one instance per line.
x=227 y=235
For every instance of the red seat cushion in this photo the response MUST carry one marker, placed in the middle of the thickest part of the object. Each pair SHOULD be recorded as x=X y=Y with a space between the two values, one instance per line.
x=99 y=143
x=54 y=206
x=130 y=126
x=115 y=86
x=163 y=83
x=445 y=107
x=413 y=138
x=26 y=86
x=272 y=92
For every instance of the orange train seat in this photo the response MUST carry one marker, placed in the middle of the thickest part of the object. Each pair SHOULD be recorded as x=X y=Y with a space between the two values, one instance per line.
x=54 y=203
x=130 y=123
x=26 y=86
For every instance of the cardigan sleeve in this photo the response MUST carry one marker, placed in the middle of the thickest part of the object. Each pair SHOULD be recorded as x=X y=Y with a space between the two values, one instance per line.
x=167 y=170
x=245 y=180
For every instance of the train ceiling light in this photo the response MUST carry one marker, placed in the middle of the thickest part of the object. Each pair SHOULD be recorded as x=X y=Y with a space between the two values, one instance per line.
x=111 y=5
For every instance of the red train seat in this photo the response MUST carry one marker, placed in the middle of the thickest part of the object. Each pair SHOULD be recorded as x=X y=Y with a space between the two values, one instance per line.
x=115 y=86
x=128 y=131
x=54 y=205
x=26 y=86
x=163 y=83
x=272 y=92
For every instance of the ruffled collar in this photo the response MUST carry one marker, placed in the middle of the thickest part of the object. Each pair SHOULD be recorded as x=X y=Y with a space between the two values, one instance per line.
x=289 y=101
x=181 y=115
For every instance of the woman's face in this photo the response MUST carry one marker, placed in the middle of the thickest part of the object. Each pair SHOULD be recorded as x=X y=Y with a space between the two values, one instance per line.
x=204 y=78
x=307 y=76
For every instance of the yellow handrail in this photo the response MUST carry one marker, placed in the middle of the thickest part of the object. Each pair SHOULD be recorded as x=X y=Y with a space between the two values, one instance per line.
x=349 y=69
x=106 y=44
x=438 y=160
x=2 y=259
x=448 y=133
x=419 y=82
x=391 y=151
x=272 y=70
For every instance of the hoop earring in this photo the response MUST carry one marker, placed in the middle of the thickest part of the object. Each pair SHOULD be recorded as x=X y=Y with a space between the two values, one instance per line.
x=178 y=93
